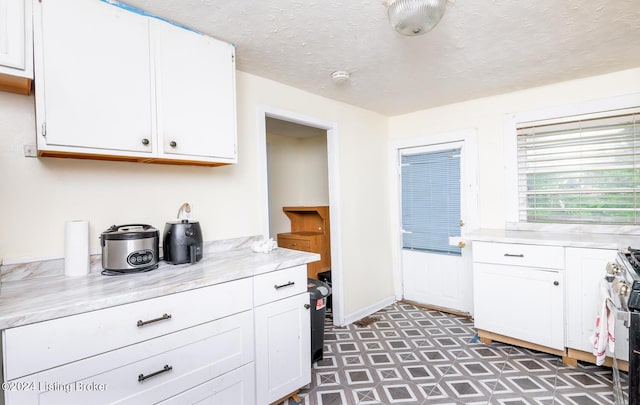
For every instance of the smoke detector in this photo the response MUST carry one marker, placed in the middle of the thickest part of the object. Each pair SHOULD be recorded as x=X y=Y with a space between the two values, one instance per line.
x=340 y=76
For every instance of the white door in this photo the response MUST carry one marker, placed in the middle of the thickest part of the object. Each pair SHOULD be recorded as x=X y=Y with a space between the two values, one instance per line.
x=436 y=184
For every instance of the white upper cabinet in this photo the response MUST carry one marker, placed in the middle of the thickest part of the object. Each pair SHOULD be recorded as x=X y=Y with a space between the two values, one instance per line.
x=16 y=55
x=116 y=84
x=195 y=93
x=94 y=83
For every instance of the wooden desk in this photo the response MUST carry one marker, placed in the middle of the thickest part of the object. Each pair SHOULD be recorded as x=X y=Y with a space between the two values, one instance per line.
x=310 y=230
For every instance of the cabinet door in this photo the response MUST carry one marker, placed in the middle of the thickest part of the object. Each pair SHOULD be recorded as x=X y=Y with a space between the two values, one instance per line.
x=520 y=302
x=93 y=85
x=196 y=93
x=585 y=270
x=283 y=348
x=12 y=34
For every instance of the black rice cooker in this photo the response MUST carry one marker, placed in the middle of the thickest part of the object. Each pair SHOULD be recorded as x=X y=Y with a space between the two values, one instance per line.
x=129 y=248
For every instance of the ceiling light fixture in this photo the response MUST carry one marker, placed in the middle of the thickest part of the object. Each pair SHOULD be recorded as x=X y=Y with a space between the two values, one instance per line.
x=415 y=17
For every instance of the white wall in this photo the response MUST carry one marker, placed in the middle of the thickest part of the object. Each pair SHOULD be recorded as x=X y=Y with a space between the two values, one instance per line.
x=38 y=195
x=298 y=176
x=487 y=116
x=366 y=257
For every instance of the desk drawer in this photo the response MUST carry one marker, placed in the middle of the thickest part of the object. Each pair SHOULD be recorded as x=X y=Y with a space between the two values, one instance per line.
x=40 y=346
x=550 y=257
x=294 y=243
x=279 y=284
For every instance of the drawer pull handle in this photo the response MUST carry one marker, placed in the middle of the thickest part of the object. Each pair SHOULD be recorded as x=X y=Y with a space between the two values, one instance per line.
x=636 y=352
x=277 y=287
x=512 y=255
x=142 y=377
x=162 y=318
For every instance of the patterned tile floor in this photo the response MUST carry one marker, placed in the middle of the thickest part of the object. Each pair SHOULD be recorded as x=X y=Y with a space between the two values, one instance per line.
x=418 y=356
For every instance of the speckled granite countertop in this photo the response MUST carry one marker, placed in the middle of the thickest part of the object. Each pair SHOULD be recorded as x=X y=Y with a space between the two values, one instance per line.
x=29 y=300
x=551 y=238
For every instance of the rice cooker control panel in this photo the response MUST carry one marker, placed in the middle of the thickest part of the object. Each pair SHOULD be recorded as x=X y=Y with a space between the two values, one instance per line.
x=140 y=257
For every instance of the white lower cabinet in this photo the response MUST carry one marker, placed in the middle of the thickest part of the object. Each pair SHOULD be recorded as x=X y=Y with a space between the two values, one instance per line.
x=517 y=300
x=283 y=334
x=146 y=372
x=523 y=303
x=242 y=342
x=199 y=337
x=585 y=270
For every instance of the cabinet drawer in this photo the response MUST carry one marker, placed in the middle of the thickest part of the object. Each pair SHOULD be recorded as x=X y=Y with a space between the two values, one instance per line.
x=279 y=284
x=551 y=257
x=40 y=346
x=131 y=375
x=294 y=243
x=236 y=387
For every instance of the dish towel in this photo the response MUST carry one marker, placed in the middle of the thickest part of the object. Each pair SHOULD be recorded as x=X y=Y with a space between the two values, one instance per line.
x=605 y=324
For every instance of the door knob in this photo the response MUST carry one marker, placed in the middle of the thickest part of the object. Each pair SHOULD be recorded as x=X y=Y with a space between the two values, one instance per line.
x=461 y=244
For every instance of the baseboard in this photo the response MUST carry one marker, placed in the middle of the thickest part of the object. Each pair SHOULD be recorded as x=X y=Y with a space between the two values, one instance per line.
x=371 y=309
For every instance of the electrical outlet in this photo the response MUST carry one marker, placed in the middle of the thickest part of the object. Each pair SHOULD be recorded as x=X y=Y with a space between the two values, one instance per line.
x=30 y=151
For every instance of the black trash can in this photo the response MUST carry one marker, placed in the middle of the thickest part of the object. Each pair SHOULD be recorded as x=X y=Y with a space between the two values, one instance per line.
x=326 y=277
x=318 y=293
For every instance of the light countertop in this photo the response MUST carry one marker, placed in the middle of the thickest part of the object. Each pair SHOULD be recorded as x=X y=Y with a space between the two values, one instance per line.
x=30 y=300
x=551 y=238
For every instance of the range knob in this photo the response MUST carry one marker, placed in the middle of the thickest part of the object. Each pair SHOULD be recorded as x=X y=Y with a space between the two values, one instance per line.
x=623 y=289
x=613 y=268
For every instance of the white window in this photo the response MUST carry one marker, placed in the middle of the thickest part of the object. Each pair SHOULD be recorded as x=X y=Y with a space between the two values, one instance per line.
x=581 y=169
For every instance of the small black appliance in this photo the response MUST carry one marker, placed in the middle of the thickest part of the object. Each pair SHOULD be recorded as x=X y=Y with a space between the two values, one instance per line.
x=182 y=239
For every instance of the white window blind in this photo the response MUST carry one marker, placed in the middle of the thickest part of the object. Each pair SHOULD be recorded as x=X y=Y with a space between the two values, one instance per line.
x=581 y=169
x=431 y=200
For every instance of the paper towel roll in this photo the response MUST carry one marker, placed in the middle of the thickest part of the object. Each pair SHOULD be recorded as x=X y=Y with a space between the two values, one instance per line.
x=76 y=248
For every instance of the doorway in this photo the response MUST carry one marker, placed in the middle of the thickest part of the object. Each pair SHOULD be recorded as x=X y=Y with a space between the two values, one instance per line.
x=300 y=168
x=297 y=166
x=436 y=207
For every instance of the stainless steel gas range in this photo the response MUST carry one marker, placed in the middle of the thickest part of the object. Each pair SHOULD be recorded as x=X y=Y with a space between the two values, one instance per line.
x=623 y=279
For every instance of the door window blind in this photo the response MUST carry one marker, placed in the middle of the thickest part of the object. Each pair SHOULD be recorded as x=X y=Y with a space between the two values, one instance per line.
x=580 y=170
x=431 y=201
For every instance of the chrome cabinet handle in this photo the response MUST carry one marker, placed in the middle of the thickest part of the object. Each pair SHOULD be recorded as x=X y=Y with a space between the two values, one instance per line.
x=512 y=255
x=307 y=306
x=145 y=141
x=173 y=144
x=142 y=377
x=162 y=318
x=277 y=287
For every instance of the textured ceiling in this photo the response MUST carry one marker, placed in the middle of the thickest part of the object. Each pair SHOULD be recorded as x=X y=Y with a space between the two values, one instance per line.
x=480 y=48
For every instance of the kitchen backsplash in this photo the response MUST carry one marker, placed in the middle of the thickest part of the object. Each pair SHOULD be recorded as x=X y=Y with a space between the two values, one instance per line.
x=55 y=267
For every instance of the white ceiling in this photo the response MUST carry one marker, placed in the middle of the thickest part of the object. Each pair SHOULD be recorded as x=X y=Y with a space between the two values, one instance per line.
x=480 y=48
